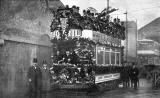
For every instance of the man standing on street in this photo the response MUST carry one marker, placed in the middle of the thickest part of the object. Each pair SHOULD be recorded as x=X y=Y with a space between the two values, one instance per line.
x=134 y=75
x=46 y=76
x=34 y=78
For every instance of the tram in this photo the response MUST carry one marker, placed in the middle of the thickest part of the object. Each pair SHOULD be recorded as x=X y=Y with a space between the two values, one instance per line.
x=87 y=50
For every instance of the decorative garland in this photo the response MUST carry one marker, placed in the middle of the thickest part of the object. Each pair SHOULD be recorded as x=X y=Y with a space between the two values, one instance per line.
x=64 y=74
x=101 y=22
x=71 y=43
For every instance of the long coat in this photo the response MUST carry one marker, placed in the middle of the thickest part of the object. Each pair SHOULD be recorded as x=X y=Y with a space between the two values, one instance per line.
x=46 y=77
x=134 y=74
x=35 y=74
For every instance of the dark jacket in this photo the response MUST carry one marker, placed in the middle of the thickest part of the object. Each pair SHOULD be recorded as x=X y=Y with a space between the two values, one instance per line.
x=67 y=57
x=134 y=73
x=35 y=75
x=58 y=58
x=46 y=76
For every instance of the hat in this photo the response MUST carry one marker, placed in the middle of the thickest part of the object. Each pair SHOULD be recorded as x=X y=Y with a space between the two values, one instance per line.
x=44 y=62
x=34 y=60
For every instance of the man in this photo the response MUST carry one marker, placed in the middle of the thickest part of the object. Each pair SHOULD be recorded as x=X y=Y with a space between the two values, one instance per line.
x=134 y=75
x=67 y=57
x=34 y=78
x=46 y=76
x=58 y=57
x=74 y=58
x=126 y=72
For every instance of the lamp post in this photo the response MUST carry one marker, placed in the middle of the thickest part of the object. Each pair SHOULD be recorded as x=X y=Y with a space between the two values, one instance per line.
x=107 y=5
x=126 y=33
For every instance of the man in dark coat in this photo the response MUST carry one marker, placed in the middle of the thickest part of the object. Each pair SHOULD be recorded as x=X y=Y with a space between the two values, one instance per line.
x=34 y=78
x=58 y=57
x=67 y=57
x=46 y=76
x=74 y=58
x=134 y=76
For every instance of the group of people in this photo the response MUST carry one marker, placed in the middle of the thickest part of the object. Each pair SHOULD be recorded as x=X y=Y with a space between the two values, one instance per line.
x=66 y=57
x=38 y=80
x=40 y=77
x=129 y=76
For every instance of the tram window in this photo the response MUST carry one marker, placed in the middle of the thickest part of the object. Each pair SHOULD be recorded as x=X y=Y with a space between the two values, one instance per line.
x=100 y=55
x=117 y=58
x=112 y=58
x=107 y=58
x=107 y=49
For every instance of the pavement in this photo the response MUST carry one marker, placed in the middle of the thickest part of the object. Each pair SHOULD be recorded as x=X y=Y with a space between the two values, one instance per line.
x=144 y=91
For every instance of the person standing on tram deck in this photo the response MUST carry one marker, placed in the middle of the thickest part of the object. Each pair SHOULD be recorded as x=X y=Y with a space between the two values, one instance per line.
x=134 y=75
x=34 y=77
x=67 y=57
x=46 y=76
x=58 y=57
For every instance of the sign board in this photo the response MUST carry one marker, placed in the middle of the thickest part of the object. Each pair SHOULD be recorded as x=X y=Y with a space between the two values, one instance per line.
x=106 y=77
x=100 y=37
x=92 y=35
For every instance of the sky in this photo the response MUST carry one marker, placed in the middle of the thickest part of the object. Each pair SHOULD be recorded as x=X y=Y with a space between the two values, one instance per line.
x=142 y=11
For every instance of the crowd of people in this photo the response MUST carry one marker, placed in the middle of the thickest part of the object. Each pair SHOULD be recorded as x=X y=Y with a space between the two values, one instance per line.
x=40 y=77
x=66 y=57
x=129 y=76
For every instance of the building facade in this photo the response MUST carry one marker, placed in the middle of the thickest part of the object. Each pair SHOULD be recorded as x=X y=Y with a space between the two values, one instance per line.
x=148 y=52
x=24 y=35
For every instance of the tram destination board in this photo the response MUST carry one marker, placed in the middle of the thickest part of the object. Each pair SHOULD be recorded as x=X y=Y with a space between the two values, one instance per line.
x=106 y=77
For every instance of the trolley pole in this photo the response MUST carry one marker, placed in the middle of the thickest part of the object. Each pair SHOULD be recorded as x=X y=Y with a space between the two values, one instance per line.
x=107 y=5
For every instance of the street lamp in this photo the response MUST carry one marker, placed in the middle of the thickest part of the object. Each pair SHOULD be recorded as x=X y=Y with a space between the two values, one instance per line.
x=126 y=34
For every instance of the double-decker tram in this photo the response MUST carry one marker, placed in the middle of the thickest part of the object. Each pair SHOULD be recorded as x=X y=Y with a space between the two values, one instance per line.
x=87 y=50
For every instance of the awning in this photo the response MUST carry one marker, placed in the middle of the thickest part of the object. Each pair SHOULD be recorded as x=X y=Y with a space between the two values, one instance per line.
x=147 y=52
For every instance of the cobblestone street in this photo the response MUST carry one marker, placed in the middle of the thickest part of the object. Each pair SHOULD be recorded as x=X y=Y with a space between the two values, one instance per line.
x=144 y=91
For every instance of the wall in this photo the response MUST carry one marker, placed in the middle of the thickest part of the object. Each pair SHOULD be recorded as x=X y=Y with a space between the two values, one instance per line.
x=15 y=60
x=24 y=34
x=16 y=55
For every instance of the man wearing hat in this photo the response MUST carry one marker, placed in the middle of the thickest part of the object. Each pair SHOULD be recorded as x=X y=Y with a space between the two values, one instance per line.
x=46 y=76
x=34 y=79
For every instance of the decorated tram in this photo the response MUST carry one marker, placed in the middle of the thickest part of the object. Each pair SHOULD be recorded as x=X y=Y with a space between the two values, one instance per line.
x=87 y=50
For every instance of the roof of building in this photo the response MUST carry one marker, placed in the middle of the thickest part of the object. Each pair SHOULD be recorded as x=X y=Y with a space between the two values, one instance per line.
x=151 y=30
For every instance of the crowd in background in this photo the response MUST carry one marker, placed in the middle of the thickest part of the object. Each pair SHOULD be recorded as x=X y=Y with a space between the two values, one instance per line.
x=129 y=76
